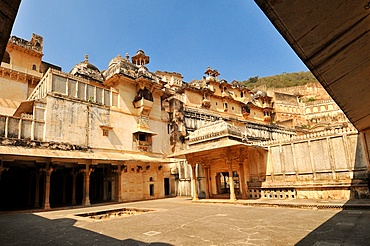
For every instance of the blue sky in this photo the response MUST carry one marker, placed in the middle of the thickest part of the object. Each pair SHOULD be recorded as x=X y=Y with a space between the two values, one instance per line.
x=234 y=37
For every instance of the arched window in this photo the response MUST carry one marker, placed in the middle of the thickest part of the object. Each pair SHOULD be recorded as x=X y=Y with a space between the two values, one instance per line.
x=34 y=67
x=6 y=58
x=246 y=109
x=145 y=93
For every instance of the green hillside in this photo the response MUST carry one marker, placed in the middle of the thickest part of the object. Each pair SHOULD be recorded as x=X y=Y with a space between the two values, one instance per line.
x=281 y=80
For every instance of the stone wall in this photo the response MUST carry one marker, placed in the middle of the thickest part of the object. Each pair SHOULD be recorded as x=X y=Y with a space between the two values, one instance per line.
x=137 y=180
x=328 y=165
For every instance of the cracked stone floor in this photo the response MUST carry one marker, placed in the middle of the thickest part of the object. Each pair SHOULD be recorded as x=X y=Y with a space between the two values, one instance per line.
x=178 y=221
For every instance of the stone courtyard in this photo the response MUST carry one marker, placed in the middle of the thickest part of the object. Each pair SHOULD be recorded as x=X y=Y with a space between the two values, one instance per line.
x=178 y=221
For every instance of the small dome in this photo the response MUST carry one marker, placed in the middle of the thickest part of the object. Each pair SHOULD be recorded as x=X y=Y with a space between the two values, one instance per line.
x=140 y=51
x=140 y=58
x=87 y=70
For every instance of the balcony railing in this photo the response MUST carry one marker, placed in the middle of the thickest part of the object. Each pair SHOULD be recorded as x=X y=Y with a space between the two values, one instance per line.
x=144 y=103
x=24 y=128
x=64 y=84
x=145 y=146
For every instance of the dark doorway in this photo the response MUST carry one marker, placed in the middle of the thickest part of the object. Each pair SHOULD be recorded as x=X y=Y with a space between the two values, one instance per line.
x=151 y=189
x=222 y=183
x=166 y=186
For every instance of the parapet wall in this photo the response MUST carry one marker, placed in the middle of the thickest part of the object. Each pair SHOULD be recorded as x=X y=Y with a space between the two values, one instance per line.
x=325 y=165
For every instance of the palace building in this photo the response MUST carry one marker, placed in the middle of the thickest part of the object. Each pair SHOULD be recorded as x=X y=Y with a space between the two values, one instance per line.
x=81 y=137
x=126 y=133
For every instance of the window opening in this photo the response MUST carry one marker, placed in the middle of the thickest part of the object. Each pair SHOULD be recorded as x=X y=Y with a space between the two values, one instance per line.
x=151 y=189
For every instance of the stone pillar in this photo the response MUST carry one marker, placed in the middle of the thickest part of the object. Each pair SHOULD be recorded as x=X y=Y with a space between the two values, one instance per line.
x=243 y=157
x=48 y=172
x=206 y=170
x=194 y=181
x=242 y=180
x=74 y=176
x=86 y=184
x=37 y=188
x=119 y=183
x=231 y=180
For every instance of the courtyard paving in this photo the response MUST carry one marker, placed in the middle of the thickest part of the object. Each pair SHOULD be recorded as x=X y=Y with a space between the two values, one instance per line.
x=178 y=221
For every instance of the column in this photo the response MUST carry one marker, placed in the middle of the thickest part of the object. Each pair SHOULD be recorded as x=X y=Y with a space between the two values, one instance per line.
x=242 y=180
x=209 y=181
x=37 y=188
x=243 y=157
x=74 y=176
x=231 y=180
x=48 y=171
x=206 y=170
x=119 y=183
x=86 y=185
x=193 y=181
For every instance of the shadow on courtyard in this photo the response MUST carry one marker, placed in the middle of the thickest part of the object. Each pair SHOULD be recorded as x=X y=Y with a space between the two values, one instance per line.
x=30 y=229
x=348 y=227
x=351 y=226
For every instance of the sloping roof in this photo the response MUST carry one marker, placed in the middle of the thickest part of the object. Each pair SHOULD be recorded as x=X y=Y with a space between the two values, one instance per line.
x=145 y=131
x=202 y=148
x=61 y=154
x=24 y=107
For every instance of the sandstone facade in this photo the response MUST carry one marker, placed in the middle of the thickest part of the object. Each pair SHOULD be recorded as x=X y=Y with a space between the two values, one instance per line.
x=127 y=133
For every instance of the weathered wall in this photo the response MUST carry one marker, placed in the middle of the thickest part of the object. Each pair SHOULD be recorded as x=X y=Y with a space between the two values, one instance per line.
x=136 y=183
x=75 y=122
x=12 y=93
x=326 y=165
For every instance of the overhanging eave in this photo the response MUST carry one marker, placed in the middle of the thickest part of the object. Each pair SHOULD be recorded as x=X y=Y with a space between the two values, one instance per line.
x=332 y=38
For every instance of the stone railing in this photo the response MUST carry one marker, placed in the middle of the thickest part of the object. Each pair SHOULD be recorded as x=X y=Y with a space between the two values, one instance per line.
x=63 y=84
x=143 y=146
x=24 y=128
x=327 y=101
x=255 y=131
x=43 y=87
x=315 y=135
x=215 y=129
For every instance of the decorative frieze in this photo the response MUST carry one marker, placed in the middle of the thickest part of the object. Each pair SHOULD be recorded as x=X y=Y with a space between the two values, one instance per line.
x=35 y=44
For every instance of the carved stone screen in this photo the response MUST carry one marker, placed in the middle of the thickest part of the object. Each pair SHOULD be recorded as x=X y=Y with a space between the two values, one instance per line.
x=302 y=156
x=321 y=157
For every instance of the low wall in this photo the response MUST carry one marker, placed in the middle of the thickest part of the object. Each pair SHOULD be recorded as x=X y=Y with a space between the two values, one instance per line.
x=327 y=165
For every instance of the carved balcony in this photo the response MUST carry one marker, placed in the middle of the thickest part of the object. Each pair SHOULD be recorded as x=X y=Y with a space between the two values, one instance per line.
x=206 y=103
x=144 y=106
x=143 y=103
x=267 y=118
x=245 y=114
